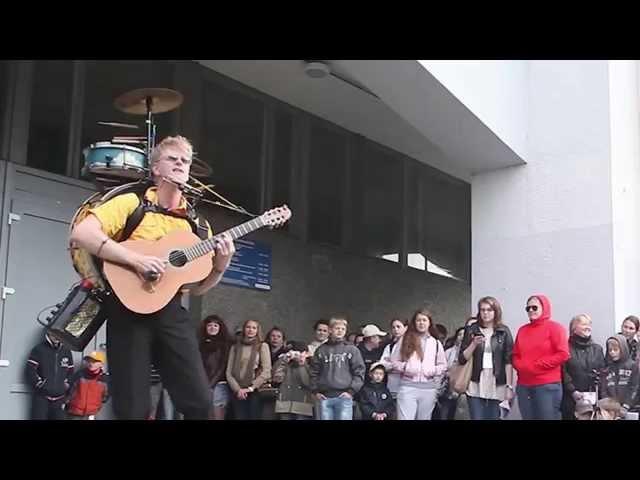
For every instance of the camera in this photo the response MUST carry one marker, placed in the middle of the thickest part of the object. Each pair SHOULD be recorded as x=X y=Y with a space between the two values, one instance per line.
x=292 y=355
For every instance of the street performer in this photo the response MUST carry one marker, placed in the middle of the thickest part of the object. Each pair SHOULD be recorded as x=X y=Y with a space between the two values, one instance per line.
x=130 y=335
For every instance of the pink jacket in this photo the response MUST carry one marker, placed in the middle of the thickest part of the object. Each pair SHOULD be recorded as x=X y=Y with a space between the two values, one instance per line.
x=414 y=370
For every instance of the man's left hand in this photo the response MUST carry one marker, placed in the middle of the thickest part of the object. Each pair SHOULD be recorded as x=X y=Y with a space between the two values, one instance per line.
x=225 y=250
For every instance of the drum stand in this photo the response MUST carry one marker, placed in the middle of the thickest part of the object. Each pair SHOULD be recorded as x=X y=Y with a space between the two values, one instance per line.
x=151 y=127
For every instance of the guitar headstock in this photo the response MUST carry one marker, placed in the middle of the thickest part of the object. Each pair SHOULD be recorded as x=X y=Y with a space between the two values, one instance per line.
x=276 y=217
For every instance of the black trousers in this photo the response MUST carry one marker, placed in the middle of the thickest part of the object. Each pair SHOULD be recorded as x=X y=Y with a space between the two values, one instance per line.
x=130 y=339
x=43 y=409
x=249 y=409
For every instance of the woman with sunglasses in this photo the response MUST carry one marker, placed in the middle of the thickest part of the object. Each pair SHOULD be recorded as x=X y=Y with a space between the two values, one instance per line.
x=540 y=350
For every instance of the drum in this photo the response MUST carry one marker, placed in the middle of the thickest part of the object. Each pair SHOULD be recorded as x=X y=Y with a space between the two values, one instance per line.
x=83 y=262
x=110 y=160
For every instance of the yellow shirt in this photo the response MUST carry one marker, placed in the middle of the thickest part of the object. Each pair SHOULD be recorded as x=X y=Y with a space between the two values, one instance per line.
x=114 y=213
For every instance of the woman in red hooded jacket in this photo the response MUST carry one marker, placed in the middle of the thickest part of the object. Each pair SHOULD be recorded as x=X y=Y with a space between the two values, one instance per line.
x=540 y=349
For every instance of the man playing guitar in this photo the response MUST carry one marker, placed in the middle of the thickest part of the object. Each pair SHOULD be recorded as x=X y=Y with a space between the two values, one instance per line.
x=130 y=335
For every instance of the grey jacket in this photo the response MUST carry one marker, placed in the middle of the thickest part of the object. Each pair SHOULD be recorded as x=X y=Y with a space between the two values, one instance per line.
x=337 y=367
x=294 y=395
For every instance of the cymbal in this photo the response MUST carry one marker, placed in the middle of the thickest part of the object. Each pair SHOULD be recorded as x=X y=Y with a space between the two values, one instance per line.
x=162 y=100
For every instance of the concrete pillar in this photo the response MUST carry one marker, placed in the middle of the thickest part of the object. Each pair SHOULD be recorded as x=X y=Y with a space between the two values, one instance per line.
x=547 y=227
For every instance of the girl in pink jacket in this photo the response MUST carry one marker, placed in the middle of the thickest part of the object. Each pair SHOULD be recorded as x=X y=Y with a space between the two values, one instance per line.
x=420 y=360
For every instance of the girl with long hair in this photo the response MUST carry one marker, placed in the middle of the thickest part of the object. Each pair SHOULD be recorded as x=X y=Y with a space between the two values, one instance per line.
x=248 y=367
x=215 y=343
x=419 y=359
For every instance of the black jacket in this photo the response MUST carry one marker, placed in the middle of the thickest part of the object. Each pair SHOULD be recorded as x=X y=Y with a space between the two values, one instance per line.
x=620 y=379
x=501 y=347
x=633 y=348
x=375 y=398
x=49 y=369
x=370 y=357
x=577 y=372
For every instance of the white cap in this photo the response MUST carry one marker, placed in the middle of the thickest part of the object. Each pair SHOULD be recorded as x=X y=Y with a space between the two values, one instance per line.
x=371 y=330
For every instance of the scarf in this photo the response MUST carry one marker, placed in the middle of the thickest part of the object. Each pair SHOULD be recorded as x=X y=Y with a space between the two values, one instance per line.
x=249 y=374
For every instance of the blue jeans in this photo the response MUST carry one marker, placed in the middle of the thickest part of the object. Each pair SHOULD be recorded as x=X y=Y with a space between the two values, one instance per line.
x=336 y=409
x=541 y=402
x=483 y=408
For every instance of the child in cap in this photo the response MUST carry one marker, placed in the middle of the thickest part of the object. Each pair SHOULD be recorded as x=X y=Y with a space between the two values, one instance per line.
x=620 y=378
x=88 y=389
x=375 y=398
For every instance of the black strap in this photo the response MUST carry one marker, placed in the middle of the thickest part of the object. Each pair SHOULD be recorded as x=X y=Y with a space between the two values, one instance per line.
x=198 y=226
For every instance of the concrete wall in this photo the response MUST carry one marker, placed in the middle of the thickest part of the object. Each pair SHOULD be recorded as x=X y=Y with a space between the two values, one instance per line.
x=625 y=178
x=494 y=90
x=310 y=282
x=547 y=227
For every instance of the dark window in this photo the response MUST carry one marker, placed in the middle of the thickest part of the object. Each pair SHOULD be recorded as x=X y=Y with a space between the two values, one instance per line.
x=106 y=80
x=232 y=144
x=281 y=176
x=328 y=150
x=377 y=212
x=4 y=79
x=50 y=115
x=416 y=244
x=447 y=203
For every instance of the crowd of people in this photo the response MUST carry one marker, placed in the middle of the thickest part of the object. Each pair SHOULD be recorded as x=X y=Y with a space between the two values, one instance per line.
x=415 y=371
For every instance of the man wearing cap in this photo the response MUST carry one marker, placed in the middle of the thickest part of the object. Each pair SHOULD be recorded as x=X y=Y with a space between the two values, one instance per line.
x=49 y=370
x=88 y=390
x=370 y=348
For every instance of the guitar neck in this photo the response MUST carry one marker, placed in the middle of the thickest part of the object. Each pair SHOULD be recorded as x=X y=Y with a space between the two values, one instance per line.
x=207 y=246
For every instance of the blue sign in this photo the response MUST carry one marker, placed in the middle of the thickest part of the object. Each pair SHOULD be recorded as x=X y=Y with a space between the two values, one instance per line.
x=250 y=266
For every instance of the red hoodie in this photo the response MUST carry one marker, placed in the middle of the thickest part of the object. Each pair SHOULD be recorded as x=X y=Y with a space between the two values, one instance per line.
x=540 y=349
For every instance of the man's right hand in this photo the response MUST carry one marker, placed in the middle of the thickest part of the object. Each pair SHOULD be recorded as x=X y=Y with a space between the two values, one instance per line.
x=143 y=264
x=320 y=396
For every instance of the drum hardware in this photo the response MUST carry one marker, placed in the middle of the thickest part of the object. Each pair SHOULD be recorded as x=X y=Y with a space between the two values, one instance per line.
x=118 y=125
x=148 y=101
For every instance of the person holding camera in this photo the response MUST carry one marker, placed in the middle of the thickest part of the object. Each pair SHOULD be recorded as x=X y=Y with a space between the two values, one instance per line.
x=581 y=372
x=489 y=343
x=295 y=400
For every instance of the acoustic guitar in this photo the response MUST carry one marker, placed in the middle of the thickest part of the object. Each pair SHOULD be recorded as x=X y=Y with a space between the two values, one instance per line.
x=188 y=260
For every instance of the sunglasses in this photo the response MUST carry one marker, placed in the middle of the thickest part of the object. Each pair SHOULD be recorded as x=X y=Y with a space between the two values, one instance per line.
x=531 y=308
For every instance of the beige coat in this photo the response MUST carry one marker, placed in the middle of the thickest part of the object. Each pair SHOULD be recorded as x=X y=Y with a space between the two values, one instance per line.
x=262 y=366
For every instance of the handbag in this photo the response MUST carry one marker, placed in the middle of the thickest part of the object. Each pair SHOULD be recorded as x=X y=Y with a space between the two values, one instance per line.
x=461 y=376
x=268 y=392
x=442 y=381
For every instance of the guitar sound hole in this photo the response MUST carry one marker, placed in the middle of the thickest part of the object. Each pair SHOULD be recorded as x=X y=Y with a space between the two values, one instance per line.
x=177 y=258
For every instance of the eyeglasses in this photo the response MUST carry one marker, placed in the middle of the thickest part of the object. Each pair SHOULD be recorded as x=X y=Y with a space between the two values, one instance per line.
x=531 y=308
x=173 y=159
x=486 y=309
